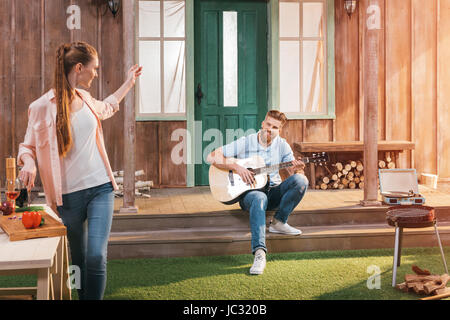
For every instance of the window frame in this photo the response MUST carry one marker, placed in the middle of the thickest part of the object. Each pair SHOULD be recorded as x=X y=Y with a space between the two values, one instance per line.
x=329 y=71
x=161 y=116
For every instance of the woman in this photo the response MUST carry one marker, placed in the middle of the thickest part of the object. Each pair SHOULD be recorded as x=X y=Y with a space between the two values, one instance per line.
x=64 y=135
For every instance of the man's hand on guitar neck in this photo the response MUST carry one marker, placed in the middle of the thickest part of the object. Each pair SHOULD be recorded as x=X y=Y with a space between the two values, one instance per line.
x=298 y=166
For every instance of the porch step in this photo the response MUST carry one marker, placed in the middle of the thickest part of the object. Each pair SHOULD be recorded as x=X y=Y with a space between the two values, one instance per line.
x=352 y=215
x=183 y=242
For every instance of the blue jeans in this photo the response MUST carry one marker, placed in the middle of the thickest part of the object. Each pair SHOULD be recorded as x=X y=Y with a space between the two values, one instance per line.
x=283 y=198
x=87 y=214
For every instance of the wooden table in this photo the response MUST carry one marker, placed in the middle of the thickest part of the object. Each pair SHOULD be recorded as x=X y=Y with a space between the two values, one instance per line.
x=45 y=257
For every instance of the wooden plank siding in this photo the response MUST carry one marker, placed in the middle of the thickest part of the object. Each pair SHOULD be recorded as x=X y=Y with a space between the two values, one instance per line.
x=30 y=32
x=414 y=81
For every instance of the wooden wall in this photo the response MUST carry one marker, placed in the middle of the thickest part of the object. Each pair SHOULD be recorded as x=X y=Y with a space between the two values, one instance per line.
x=414 y=82
x=413 y=94
x=30 y=32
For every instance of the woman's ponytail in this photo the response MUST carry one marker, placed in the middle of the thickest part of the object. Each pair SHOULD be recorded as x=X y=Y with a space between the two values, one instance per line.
x=64 y=97
x=67 y=56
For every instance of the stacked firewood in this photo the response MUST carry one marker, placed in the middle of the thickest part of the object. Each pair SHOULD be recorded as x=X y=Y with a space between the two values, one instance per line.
x=141 y=187
x=387 y=163
x=348 y=175
x=424 y=283
x=342 y=176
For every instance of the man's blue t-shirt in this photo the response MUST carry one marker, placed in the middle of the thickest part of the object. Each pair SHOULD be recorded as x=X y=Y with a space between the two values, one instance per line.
x=277 y=152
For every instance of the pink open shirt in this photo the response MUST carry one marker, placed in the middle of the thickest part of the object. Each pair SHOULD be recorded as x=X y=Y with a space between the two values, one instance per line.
x=41 y=142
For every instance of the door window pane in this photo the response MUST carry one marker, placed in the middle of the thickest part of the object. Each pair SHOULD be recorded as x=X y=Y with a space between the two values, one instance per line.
x=230 y=59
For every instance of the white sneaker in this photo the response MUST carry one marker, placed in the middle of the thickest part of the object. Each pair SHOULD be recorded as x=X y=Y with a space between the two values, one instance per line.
x=259 y=263
x=279 y=227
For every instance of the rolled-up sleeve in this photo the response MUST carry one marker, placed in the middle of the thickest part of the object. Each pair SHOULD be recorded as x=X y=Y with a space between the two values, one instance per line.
x=106 y=108
x=28 y=146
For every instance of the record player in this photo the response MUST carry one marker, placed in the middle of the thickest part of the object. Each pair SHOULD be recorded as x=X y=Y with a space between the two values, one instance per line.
x=400 y=187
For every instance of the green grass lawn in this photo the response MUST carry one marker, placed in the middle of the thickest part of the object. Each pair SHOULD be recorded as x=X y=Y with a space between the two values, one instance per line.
x=325 y=275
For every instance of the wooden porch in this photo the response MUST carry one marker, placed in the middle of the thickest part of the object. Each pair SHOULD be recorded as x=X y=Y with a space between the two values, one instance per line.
x=189 y=222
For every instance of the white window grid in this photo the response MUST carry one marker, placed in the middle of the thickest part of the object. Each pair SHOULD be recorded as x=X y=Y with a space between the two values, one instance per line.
x=301 y=40
x=162 y=39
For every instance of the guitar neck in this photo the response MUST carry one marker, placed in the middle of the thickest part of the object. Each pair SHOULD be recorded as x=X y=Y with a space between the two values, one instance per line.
x=277 y=167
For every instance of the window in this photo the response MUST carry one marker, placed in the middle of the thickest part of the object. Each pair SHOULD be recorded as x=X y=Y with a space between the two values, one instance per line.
x=303 y=57
x=161 y=50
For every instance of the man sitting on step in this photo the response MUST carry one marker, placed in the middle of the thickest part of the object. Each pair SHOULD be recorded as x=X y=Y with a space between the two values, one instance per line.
x=280 y=196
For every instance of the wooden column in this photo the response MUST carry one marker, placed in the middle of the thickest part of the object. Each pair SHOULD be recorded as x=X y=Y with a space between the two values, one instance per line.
x=129 y=131
x=371 y=44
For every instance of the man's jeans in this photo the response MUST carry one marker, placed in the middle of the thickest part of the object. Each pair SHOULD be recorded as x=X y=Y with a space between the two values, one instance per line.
x=284 y=197
x=87 y=214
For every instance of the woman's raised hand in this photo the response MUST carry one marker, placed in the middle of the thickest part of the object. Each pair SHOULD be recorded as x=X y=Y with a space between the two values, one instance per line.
x=134 y=72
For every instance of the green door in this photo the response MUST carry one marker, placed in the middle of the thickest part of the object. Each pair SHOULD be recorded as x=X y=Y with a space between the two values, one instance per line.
x=231 y=77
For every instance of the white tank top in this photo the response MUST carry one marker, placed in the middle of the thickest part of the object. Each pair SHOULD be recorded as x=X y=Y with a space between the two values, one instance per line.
x=83 y=167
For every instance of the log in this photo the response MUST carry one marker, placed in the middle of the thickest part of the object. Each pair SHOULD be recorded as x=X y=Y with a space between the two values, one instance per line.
x=345 y=182
x=357 y=180
x=391 y=165
x=341 y=186
x=136 y=174
x=339 y=166
x=382 y=164
x=344 y=172
x=137 y=184
x=388 y=157
x=334 y=177
x=326 y=180
x=359 y=166
x=353 y=164
x=361 y=178
x=348 y=167
x=421 y=278
x=419 y=271
x=142 y=184
x=361 y=185
x=335 y=185
x=402 y=287
x=352 y=185
x=324 y=186
x=442 y=283
x=350 y=175
x=419 y=288
x=444 y=293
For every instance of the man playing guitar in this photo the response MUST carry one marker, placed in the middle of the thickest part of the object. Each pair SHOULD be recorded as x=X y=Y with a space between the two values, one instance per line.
x=280 y=196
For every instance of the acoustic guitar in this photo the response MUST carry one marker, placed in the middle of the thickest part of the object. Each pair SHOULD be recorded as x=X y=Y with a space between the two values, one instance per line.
x=228 y=187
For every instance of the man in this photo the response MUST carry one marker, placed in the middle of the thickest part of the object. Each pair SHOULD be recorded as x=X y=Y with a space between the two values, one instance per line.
x=281 y=196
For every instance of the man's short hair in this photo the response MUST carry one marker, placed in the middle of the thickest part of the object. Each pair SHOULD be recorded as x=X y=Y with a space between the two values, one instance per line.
x=278 y=115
